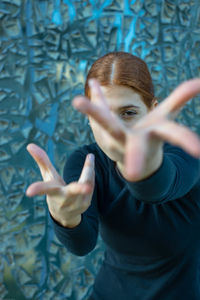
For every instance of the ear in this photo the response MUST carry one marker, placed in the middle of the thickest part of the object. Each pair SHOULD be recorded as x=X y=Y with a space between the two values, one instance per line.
x=154 y=103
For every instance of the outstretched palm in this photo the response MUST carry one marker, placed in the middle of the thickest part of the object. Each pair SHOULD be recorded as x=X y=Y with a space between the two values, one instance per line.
x=146 y=137
x=66 y=203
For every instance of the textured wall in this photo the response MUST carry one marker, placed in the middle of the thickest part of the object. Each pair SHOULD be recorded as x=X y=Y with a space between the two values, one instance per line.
x=46 y=48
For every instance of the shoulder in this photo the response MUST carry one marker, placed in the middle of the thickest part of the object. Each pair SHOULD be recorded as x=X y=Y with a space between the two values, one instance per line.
x=75 y=161
x=79 y=154
x=185 y=166
x=180 y=157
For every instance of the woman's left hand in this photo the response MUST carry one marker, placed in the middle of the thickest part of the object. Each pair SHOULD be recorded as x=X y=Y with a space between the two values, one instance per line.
x=141 y=146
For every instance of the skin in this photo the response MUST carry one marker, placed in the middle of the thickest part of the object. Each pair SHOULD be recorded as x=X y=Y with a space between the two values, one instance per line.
x=126 y=105
x=66 y=202
x=135 y=145
x=138 y=150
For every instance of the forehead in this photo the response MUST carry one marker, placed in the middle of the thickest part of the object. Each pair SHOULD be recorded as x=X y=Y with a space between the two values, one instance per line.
x=119 y=96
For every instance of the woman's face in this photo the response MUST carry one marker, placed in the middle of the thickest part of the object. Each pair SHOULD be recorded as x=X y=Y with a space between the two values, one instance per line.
x=124 y=103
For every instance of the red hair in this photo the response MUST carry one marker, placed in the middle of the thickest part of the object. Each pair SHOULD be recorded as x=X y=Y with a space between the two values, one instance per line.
x=122 y=68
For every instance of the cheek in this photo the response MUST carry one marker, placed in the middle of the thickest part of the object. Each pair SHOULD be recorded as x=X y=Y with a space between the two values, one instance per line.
x=131 y=122
x=96 y=129
x=99 y=135
x=105 y=142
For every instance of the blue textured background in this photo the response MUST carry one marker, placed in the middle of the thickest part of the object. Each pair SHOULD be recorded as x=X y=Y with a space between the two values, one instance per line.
x=46 y=49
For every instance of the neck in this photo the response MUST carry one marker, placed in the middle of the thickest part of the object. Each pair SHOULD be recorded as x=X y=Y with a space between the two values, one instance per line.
x=120 y=167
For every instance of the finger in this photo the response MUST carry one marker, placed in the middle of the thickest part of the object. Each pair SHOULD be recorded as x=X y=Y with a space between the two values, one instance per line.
x=43 y=188
x=88 y=174
x=52 y=188
x=97 y=94
x=135 y=157
x=101 y=116
x=179 y=97
x=77 y=189
x=47 y=170
x=178 y=135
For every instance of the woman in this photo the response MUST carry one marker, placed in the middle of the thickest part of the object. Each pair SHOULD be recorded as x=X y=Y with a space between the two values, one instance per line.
x=142 y=195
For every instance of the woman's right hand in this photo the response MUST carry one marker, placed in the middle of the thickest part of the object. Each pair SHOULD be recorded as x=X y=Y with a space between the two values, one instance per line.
x=66 y=203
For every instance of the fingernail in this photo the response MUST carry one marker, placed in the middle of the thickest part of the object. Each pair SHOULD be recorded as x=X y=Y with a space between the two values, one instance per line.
x=91 y=157
x=91 y=83
x=27 y=193
x=78 y=105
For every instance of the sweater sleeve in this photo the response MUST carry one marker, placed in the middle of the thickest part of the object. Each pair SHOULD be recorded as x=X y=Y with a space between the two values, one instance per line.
x=81 y=239
x=177 y=175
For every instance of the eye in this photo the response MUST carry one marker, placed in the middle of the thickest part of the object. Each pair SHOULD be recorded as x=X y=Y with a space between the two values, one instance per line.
x=127 y=114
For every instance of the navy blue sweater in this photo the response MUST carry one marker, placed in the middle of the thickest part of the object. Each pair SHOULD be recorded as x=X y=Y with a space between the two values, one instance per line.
x=151 y=228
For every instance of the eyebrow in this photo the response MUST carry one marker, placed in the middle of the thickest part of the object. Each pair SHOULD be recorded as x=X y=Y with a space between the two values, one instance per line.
x=126 y=107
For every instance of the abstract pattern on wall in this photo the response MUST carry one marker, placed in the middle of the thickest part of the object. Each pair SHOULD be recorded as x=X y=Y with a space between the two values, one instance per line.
x=46 y=49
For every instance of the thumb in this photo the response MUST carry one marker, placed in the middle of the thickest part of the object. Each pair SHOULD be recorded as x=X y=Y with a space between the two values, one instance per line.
x=88 y=173
x=178 y=98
